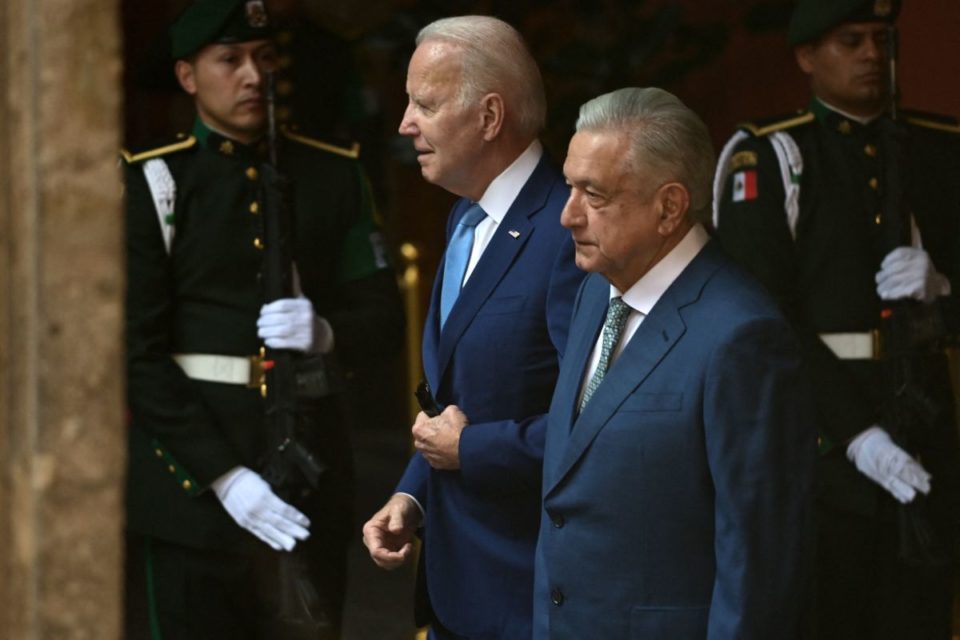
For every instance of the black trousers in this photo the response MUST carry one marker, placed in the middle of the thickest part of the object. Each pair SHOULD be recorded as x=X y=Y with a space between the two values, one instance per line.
x=181 y=593
x=864 y=592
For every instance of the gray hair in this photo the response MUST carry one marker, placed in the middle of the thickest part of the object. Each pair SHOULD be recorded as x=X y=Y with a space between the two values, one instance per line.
x=495 y=60
x=666 y=137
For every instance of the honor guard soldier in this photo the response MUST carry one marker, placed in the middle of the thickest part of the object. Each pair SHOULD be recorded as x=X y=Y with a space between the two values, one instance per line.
x=849 y=212
x=208 y=532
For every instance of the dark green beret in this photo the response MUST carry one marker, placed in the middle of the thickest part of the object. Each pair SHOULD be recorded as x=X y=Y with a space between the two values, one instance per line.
x=813 y=18
x=208 y=21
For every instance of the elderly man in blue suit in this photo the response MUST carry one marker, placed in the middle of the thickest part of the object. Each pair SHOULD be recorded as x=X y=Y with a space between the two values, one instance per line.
x=679 y=453
x=496 y=327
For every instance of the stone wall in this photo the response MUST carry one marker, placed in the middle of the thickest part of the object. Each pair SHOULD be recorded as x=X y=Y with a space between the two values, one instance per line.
x=61 y=287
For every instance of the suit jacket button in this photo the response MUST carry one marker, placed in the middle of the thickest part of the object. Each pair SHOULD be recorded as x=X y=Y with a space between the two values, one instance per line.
x=556 y=597
x=558 y=521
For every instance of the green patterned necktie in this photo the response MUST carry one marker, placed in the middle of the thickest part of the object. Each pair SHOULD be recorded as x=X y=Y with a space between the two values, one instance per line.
x=616 y=320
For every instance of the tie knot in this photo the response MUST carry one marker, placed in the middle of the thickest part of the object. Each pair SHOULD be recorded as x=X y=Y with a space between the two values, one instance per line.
x=473 y=216
x=617 y=311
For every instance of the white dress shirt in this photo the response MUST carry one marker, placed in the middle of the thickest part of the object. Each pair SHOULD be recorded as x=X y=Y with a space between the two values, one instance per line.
x=499 y=197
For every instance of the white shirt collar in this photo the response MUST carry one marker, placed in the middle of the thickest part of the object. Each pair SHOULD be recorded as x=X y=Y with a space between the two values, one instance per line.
x=501 y=193
x=850 y=116
x=647 y=290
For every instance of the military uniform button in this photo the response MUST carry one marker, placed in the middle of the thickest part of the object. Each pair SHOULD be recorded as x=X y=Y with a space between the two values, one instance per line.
x=874 y=183
x=254 y=207
x=187 y=485
x=263 y=390
x=258 y=243
x=556 y=597
x=844 y=127
x=159 y=452
x=172 y=469
x=878 y=219
x=226 y=148
x=870 y=150
x=252 y=173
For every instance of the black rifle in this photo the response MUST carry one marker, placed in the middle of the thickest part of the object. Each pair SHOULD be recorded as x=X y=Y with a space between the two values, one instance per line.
x=912 y=333
x=289 y=467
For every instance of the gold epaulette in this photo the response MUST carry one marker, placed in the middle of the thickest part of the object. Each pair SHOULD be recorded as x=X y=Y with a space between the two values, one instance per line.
x=353 y=152
x=777 y=125
x=159 y=151
x=939 y=123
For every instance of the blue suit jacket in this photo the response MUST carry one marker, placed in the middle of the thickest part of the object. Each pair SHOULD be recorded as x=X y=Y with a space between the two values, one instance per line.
x=497 y=358
x=677 y=504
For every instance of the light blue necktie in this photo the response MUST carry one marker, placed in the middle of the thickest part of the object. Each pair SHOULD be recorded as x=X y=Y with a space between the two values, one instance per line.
x=457 y=257
x=616 y=320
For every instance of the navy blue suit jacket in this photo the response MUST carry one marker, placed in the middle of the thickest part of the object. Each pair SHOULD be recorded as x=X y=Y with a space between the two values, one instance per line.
x=497 y=358
x=677 y=504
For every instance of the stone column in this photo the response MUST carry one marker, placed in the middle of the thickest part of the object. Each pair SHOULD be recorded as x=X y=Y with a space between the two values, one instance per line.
x=61 y=288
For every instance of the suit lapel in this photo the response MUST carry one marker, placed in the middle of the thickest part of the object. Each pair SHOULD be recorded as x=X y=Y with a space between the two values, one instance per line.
x=583 y=337
x=648 y=348
x=512 y=234
x=652 y=341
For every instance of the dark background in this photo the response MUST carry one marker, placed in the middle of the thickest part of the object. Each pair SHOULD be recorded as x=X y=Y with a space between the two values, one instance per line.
x=727 y=59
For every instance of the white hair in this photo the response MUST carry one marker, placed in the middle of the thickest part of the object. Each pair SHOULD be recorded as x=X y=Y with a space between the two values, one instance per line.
x=666 y=137
x=495 y=60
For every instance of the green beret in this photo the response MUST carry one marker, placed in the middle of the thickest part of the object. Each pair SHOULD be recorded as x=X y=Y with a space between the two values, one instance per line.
x=813 y=18
x=208 y=21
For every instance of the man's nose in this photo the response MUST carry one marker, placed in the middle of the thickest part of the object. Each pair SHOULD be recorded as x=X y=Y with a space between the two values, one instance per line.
x=407 y=125
x=874 y=49
x=571 y=215
x=253 y=72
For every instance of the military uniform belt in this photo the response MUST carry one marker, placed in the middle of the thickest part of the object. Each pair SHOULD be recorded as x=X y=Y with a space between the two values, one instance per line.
x=853 y=346
x=245 y=370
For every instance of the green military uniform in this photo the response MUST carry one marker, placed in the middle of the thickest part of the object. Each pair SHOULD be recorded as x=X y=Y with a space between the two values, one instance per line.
x=205 y=296
x=194 y=570
x=819 y=260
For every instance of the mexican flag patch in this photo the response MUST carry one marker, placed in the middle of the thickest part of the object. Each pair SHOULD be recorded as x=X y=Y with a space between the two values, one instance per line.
x=745 y=185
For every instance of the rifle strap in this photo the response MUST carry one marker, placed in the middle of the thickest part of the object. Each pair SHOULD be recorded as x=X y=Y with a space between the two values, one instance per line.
x=163 y=189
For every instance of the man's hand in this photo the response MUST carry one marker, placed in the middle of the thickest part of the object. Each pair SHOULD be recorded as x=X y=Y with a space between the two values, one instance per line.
x=907 y=272
x=253 y=505
x=290 y=323
x=438 y=439
x=878 y=458
x=388 y=535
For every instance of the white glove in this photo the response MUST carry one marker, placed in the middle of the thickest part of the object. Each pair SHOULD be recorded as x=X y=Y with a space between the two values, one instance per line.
x=250 y=501
x=908 y=272
x=290 y=323
x=878 y=458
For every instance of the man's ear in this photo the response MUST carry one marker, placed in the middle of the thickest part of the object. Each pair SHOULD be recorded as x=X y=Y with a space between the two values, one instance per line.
x=185 y=76
x=803 y=53
x=492 y=114
x=673 y=201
